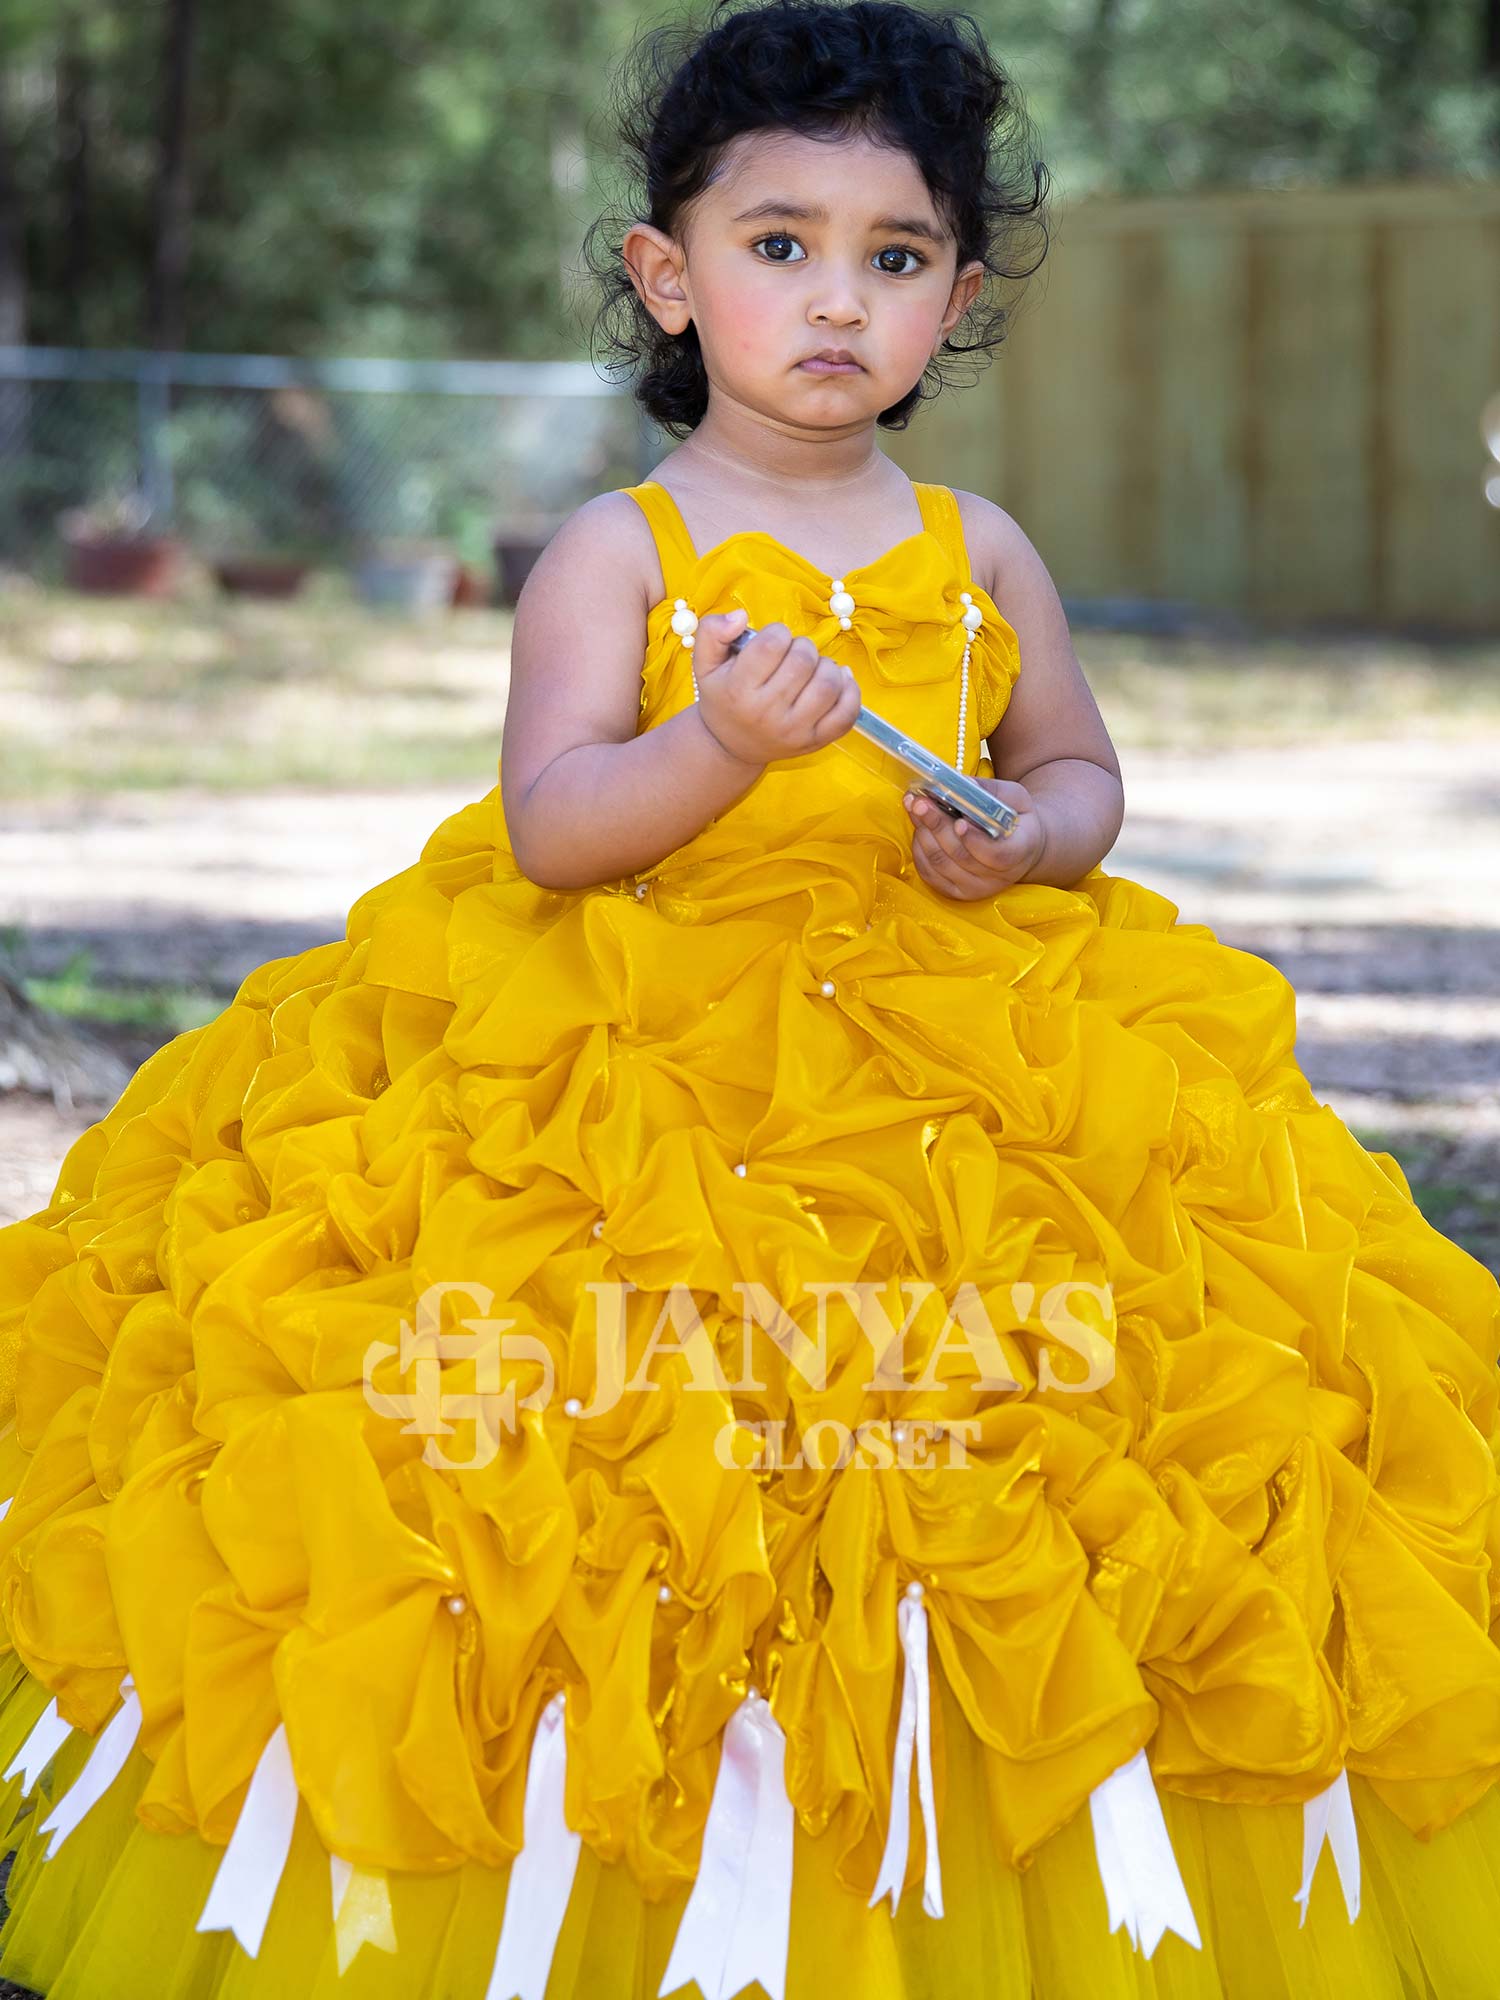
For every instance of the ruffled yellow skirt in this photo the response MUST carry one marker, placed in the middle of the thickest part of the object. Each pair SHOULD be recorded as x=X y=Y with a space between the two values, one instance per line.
x=1263 y=1550
x=111 y=1914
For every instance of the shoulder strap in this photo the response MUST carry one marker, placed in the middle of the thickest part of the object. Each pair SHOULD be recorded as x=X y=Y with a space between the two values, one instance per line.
x=673 y=544
x=941 y=515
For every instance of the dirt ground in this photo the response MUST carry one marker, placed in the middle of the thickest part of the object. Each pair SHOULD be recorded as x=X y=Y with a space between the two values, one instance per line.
x=1365 y=870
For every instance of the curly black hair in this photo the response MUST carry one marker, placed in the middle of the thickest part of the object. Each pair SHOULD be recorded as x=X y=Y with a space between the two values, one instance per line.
x=922 y=80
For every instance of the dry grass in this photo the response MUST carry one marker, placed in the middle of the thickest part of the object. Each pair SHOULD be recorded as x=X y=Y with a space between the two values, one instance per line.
x=241 y=695
x=234 y=694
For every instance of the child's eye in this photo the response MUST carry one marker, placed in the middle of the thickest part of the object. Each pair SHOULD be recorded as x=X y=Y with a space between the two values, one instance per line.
x=890 y=250
x=780 y=237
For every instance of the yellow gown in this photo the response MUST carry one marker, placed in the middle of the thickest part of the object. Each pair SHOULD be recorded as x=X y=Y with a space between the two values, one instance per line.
x=283 y=1641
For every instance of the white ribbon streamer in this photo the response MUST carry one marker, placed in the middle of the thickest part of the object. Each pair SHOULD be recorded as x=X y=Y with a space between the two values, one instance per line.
x=362 y=1911
x=914 y=1726
x=40 y=1747
x=248 y=1876
x=105 y=1762
x=1142 y=1886
x=541 y=1876
x=1330 y=1817
x=339 y=1873
x=737 y=1923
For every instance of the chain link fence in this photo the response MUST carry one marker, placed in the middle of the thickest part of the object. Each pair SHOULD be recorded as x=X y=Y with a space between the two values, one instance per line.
x=264 y=456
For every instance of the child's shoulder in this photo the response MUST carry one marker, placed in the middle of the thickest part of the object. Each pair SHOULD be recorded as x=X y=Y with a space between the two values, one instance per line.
x=999 y=549
x=608 y=539
x=1002 y=554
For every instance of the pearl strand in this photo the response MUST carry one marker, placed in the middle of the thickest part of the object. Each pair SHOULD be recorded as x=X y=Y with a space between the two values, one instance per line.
x=685 y=625
x=973 y=618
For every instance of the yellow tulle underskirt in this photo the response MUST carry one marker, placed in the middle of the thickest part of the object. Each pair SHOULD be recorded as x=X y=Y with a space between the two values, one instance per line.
x=111 y=1914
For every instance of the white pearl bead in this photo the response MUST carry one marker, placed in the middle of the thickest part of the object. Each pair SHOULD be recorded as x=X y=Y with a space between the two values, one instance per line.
x=457 y=1605
x=973 y=618
x=572 y=1407
x=679 y=604
x=964 y=597
x=688 y=641
x=684 y=621
x=598 y=1228
x=664 y=1595
x=742 y=1170
x=914 y=1590
x=828 y=989
x=641 y=888
x=835 y=583
x=898 y=1433
x=845 y=623
x=841 y=604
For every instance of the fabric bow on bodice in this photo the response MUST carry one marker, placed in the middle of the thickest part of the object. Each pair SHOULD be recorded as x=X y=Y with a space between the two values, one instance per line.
x=906 y=629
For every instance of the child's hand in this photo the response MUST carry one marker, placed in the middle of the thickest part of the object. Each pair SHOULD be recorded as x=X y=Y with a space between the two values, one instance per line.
x=777 y=697
x=964 y=861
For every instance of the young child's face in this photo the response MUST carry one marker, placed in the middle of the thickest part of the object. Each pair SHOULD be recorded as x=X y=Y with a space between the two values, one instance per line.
x=766 y=286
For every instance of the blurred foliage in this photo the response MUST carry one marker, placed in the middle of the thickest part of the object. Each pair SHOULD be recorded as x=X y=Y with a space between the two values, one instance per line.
x=411 y=178
x=367 y=176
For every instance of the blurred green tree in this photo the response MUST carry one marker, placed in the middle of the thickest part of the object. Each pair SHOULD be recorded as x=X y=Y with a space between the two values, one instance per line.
x=412 y=178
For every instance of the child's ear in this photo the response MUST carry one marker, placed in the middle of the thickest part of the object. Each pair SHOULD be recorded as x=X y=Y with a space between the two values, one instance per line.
x=966 y=286
x=655 y=262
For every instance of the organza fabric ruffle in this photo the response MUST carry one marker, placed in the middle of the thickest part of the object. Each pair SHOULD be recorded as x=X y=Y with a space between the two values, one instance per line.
x=1262 y=1547
x=113 y=1912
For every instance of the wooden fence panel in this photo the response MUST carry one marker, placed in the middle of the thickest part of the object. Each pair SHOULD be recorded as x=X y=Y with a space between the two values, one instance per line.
x=1264 y=402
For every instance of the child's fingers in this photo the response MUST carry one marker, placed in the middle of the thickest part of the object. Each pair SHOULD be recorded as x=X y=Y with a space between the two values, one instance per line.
x=943 y=828
x=941 y=861
x=756 y=662
x=966 y=846
x=963 y=875
x=932 y=833
x=940 y=875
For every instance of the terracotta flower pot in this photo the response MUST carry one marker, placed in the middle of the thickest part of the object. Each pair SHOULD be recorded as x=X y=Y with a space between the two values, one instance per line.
x=469 y=586
x=261 y=576
x=127 y=565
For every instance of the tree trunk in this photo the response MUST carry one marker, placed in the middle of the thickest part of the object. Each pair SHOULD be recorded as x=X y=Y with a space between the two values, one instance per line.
x=1405 y=84
x=165 y=295
x=13 y=392
x=74 y=79
x=1095 y=71
x=1489 y=65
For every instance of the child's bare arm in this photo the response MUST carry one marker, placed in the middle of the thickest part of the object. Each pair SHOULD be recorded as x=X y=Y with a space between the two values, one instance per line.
x=586 y=799
x=1051 y=738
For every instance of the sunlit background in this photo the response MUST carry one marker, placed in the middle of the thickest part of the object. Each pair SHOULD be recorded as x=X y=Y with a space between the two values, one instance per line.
x=296 y=379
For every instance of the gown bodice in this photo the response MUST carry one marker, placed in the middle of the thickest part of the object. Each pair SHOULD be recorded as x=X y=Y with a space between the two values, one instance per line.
x=905 y=638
